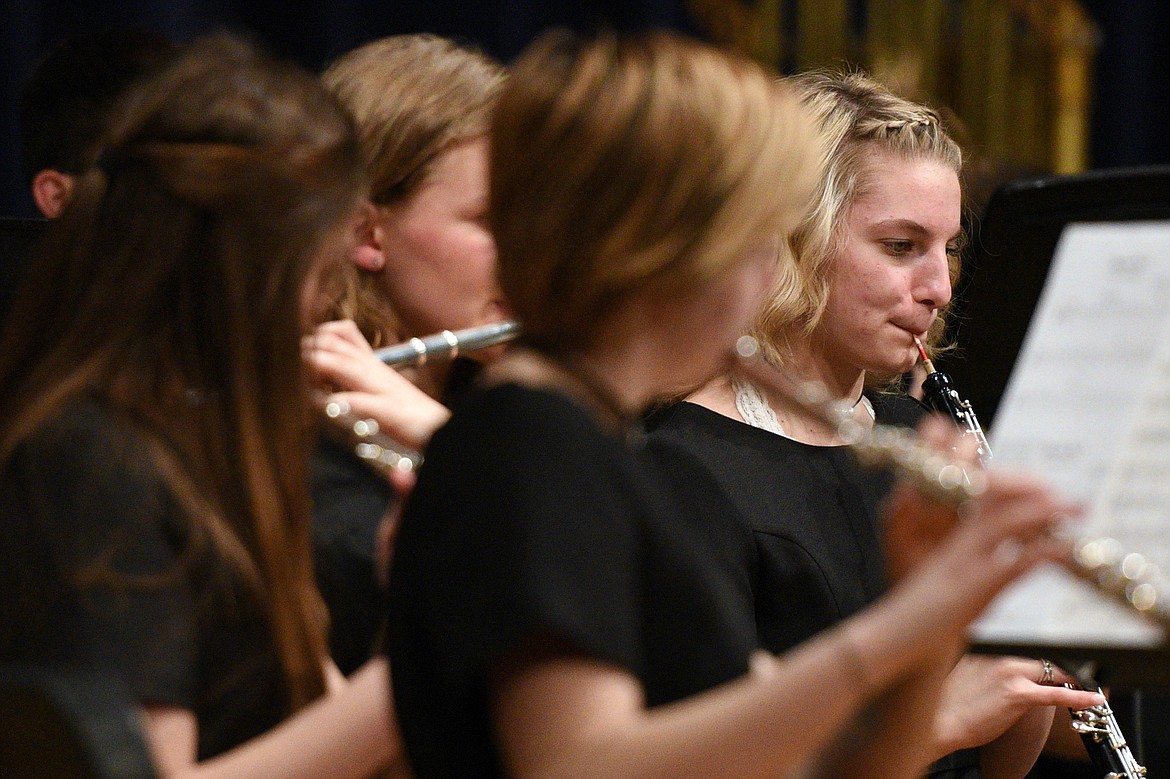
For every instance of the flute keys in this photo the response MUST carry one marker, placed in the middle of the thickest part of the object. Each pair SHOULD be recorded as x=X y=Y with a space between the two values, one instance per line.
x=363 y=428
x=1143 y=596
x=951 y=476
x=335 y=409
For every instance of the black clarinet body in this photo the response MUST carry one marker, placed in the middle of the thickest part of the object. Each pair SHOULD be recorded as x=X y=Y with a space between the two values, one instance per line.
x=1096 y=725
x=1105 y=743
x=940 y=394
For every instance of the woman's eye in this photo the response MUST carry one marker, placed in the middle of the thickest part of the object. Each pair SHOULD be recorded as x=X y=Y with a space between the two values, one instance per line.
x=898 y=248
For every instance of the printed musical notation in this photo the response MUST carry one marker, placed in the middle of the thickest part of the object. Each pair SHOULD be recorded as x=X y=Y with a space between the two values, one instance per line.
x=1088 y=408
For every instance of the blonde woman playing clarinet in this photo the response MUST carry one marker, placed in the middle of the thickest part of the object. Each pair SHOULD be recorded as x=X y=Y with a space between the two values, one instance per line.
x=873 y=260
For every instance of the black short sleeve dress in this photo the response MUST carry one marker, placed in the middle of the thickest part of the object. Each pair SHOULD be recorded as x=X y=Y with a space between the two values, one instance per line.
x=99 y=571
x=529 y=521
x=812 y=513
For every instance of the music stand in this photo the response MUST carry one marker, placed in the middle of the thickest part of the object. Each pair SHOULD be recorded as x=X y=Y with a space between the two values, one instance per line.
x=1007 y=269
x=1012 y=247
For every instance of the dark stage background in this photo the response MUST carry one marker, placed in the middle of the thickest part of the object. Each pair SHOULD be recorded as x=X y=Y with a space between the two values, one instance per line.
x=312 y=33
x=1131 y=123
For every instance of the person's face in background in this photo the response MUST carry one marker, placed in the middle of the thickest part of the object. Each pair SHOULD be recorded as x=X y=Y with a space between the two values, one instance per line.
x=440 y=258
x=892 y=274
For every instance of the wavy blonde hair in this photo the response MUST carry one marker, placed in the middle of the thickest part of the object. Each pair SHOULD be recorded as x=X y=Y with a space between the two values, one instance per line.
x=856 y=116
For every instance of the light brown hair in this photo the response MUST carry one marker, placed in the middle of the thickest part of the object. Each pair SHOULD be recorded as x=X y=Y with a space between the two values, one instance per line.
x=413 y=97
x=624 y=165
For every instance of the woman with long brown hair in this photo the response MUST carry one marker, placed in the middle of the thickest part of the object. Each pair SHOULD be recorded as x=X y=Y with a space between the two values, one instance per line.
x=154 y=423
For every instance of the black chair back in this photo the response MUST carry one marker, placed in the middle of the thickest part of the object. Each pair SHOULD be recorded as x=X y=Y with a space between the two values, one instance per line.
x=67 y=723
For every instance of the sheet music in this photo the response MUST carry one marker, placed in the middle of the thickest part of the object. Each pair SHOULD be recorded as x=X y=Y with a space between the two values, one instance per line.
x=1134 y=501
x=1088 y=408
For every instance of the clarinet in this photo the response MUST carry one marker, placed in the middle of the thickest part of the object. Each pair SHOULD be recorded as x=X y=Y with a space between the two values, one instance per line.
x=940 y=395
x=1105 y=742
x=1096 y=725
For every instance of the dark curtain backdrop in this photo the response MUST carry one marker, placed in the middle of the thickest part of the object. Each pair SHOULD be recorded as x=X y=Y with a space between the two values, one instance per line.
x=1131 y=124
x=311 y=33
x=1131 y=120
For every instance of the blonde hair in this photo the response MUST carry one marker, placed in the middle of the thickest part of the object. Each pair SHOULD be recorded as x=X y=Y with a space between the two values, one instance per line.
x=413 y=97
x=856 y=115
x=620 y=166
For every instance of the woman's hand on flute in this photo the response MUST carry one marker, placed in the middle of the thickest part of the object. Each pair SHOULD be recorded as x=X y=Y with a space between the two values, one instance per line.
x=948 y=563
x=345 y=364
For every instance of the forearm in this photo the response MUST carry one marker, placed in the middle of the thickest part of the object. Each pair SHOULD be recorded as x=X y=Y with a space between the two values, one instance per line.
x=813 y=696
x=892 y=737
x=768 y=723
x=566 y=715
x=348 y=734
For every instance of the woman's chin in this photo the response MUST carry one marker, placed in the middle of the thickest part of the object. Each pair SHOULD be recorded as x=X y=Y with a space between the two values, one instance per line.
x=889 y=370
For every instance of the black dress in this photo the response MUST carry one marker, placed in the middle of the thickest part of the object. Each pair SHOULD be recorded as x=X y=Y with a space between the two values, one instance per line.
x=528 y=521
x=349 y=501
x=99 y=572
x=811 y=512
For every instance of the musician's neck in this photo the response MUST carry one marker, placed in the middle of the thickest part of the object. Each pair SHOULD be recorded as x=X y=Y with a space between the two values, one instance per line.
x=842 y=380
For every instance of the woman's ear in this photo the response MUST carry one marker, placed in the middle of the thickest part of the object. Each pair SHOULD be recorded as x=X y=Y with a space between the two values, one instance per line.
x=51 y=190
x=368 y=251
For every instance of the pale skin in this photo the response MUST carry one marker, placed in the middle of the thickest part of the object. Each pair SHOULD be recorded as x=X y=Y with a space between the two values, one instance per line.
x=436 y=261
x=434 y=255
x=558 y=712
x=51 y=190
x=886 y=286
x=342 y=358
x=348 y=733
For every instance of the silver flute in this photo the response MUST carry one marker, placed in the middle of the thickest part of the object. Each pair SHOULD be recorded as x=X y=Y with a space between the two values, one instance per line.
x=447 y=344
x=1103 y=563
x=373 y=446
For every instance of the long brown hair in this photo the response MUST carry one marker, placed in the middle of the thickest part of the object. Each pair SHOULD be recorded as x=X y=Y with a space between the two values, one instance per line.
x=171 y=288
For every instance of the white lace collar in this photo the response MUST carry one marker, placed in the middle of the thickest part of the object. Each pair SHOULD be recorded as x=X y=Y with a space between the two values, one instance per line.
x=757 y=412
